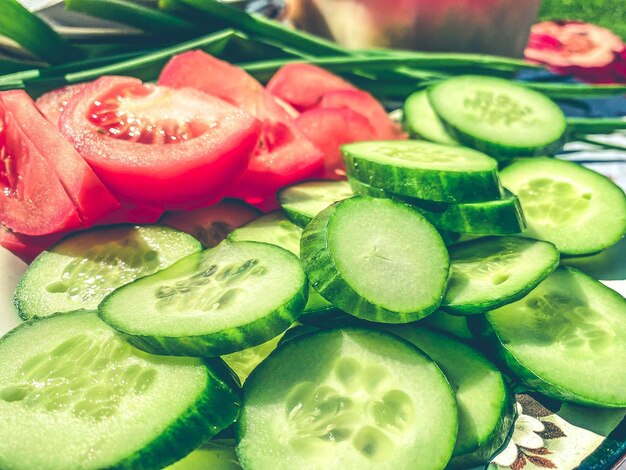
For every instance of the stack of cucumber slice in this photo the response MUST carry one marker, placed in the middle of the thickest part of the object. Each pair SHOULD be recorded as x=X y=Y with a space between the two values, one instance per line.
x=375 y=323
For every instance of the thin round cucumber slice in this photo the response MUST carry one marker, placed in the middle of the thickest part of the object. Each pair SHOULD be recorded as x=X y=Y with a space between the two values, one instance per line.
x=486 y=404
x=303 y=201
x=276 y=229
x=454 y=325
x=421 y=121
x=73 y=394
x=424 y=170
x=577 y=209
x=566 y=339
x=366 y=399
x=243 y=362
x=212 y=224
x=217 y=454
x=376 y=259
x=494 y=271
x=84 y=268
x=231 y=297
x=498 y=117
x=498 y=217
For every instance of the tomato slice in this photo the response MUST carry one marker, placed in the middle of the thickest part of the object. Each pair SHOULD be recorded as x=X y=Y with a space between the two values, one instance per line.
x=284 y=155
x=304 y=85
x=26 y=247
x=33 y=200
x=53 y=103
x=368 y=106
x=328 y=129
x=157 y=145
x=92 y=199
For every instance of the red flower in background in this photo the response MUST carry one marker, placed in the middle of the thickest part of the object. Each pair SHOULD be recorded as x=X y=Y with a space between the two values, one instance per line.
x=586 y=51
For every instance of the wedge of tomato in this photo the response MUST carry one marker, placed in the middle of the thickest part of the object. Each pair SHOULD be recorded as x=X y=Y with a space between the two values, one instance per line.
x=284 y=154
x=304 y=85
x=92 y=199
x=159 y=146
x=33 y=200
x=329 y=129
x=53 y=103
x=27 y=247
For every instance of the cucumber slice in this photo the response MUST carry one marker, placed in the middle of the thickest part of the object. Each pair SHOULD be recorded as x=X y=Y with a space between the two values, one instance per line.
x=452 y=324
x=499 y=217
x=217 y=454
x=366 y=399
x=424 y=170
x=566 y=339
x=498 y=117
x=303 y=201
x=243 y=362
x=210 y=225
x=81 y=270
x=494 y=271
x=231 y=297
x=376 y=259
x=486 y=405
x=421 y=121
x=276 y=229
x=73 y=394
x=577 y=209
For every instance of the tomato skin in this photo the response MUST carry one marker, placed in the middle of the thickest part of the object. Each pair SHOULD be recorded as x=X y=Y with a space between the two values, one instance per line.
x=32 y=199
x=365 y=104
x=284 y=155
x=53 y=103
x=186 y=174
x=92 y=199
x=329 y=129
x=304 y=85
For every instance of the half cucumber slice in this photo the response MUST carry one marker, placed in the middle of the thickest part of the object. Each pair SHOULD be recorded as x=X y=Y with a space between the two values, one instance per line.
x=229 y=298
x=81 y=270
x=498 y=217
x=276 y=229
x=490 y=272
x=498 y=117
x=566 y=339
x=303 y=201
x=424 y=170
x=366 y=399
x=577 y=209
x=421 y=121
x=376 y=259
x=486 y=404
x=75 y=394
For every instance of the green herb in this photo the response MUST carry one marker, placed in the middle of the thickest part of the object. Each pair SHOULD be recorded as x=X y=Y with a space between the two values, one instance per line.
x=578 y=125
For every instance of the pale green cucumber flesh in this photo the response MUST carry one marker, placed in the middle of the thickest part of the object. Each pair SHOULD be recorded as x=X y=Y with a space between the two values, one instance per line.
x=566 y=339
x=498 y=117
x=498 y=217
x=486 y=404
x=577 y=209
x=376 y=259
x=276 y=229
x=424 y=170
x=452 y=324
x=303 y=201
x=222 y=300
x=217 y=454
x=421 y=121
x=243 y=362
x=366 y=399
x=81 y=270
x=68 y=380
x=490 y=272
x=212 y=224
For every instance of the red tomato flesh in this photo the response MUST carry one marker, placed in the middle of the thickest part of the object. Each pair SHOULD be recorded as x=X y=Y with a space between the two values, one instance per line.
x=304 y=85
x=26 y=247
x=284 y=155
x=33 y=200
x=92 y=199
x=366 y=105
x=157 y=145
x=329 y=129
x=53 y=103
